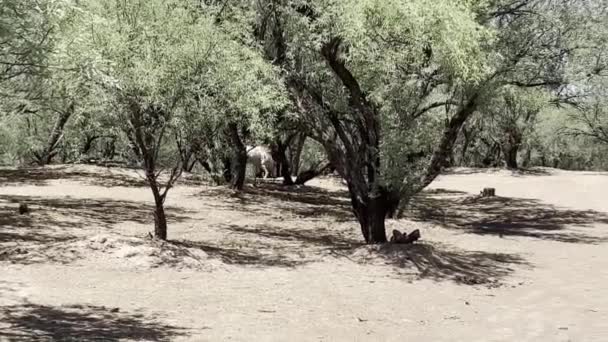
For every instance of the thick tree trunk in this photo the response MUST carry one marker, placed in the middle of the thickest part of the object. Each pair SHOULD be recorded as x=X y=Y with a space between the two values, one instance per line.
x=510 y=155
x=510 y=148
x=372 y=211
x=371 y=216
x=280 y=156
x=239 y=162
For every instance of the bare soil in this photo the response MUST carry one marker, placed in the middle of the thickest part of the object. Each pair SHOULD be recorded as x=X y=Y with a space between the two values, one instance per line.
x=278 y=264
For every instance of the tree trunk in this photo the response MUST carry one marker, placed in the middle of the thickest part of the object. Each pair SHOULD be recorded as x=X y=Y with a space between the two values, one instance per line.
x=109 y=150
x=310 y=174
x=448 y=138
x=371 y=216
x=239 y=162
x=510 y=155
x=205 y=164
x=282 y=161
x=88 y=144
x=160 y=220
x=511 y=147
x=372 y=211
x=543 y=160
x=46 y=156
x=296 y=154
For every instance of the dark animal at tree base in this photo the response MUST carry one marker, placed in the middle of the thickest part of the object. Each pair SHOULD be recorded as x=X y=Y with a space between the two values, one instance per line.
x=404 y=238
x=23 y=209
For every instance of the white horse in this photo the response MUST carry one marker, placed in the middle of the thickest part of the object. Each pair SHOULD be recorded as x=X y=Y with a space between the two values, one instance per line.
x=261 y=159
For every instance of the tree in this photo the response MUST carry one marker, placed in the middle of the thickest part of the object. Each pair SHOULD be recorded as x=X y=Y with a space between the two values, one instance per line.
x=149 y=53
x=25 y=30
x=351 y=104
x=510 y=117
x=365 y=73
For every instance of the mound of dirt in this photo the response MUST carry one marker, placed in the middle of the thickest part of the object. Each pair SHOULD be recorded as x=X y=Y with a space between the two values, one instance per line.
x=116 y=251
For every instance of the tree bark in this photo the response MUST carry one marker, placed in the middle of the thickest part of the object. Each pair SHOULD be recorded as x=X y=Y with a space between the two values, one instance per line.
x=239 y=162
x=510 y=155
x=160 y=220
x=371 y=213
x=46 y=156
x=296 y=154
x=450 y=133
x=510 y=148
x=280 y=156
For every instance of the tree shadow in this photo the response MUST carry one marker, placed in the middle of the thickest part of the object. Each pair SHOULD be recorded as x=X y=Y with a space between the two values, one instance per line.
x=440 y=262
x=273 y=246
x=33 y=322
x=504 y=216
x=531 y=172
x=491 y=170
x=107 y=177
x=40 y=176
x=60 y=219
x=301 y=201
x=236 y=255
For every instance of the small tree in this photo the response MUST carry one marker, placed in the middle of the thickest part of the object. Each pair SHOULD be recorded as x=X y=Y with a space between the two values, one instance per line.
x=149 y=53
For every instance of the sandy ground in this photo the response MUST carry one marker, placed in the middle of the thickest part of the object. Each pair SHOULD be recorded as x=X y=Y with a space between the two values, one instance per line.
x=277 y=265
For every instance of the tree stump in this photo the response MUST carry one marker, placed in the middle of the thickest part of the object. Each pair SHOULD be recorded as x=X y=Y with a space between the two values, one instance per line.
x=404 y=238
x=23 y=209
x=488 y=192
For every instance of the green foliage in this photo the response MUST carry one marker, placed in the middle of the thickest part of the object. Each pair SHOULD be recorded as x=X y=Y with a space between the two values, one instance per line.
x=200 y=66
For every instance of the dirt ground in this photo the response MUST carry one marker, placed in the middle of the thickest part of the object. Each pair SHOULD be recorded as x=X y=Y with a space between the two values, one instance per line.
x=275 y=264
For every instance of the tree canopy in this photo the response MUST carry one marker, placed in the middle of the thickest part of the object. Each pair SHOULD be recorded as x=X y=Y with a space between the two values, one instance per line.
x=390 y=91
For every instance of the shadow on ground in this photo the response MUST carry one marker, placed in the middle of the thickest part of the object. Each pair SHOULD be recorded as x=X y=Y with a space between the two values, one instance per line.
x=272 y=246
x=67 y=212
x=61 y=219
x=518 y=172
x=442 y=262
x=301 y=201
x=106 y=177
x=32 y=322
x=504 y=216
x=40 y=176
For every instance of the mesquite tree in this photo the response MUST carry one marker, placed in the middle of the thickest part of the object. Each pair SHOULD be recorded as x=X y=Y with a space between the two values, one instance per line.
x=378 y=82
x=148 y=55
